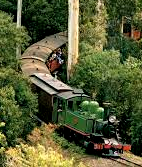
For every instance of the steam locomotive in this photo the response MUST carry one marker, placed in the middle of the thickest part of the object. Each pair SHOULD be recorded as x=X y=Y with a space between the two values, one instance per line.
x=83 y=120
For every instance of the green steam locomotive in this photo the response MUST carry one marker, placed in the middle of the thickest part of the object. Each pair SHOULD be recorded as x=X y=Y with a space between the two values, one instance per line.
x=83 y=120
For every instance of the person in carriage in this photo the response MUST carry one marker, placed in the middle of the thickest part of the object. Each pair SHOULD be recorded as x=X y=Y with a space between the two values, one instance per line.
x=59 y=56
x=55 y=60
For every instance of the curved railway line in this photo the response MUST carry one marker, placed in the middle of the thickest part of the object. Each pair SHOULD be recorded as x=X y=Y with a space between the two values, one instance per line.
x=126 y=162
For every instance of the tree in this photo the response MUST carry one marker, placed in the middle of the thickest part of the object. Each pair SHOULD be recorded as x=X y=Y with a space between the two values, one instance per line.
x=9 y=37
x=93 y=23
x=40 y=17
x=17 y=102
x=137 y=19
x=117 y=10
x=3 y=142
x=17 y=105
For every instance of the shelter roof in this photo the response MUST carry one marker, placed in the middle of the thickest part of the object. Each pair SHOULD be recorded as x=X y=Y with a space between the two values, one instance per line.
x=52 y=82
x=43 y=86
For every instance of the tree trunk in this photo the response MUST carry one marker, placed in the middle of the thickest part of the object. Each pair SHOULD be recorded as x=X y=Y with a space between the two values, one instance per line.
x=19 y=11
x=72 y=35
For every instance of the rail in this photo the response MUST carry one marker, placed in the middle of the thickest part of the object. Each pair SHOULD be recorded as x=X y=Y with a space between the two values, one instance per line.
x=126 y=162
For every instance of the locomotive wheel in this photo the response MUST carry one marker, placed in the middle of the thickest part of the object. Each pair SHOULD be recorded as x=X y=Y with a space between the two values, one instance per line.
x=90 y=148
x=68 y=134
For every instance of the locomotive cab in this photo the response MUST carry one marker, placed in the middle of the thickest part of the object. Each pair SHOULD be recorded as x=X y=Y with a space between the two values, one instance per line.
x=65 y=103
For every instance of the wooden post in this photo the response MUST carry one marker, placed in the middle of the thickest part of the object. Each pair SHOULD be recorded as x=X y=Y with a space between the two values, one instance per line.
x=19 y=11
x=73 y=32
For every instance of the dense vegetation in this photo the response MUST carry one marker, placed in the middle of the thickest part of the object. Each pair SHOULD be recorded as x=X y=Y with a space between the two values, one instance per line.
x=17 y=102
x=40 y=17
x=109 y=66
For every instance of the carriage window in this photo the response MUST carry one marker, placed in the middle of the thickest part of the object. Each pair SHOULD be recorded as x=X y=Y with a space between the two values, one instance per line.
x=54 y=100
x=70 y=105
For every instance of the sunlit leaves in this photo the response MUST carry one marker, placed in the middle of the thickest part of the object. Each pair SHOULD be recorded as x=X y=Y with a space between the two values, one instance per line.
x=38 y=156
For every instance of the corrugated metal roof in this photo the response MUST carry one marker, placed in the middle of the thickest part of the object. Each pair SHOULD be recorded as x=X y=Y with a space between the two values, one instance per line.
x=70 y=94
x=43 y=86
x=30 y=66
x=51 y=81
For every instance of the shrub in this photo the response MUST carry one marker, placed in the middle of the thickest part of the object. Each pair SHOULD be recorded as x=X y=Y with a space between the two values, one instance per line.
x=25 y=155
x=17 y=105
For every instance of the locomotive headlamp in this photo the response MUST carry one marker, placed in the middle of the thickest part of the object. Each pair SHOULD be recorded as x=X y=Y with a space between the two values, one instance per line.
x=112 y=119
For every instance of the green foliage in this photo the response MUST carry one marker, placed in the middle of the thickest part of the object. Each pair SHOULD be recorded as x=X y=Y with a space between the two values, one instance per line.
x=9 y=7
x=136 y=128
x=92 y=66
x=73 y=148
x=93 y=23
x=137 y=20
x=118 y=8
x=10 y=36
x=3 y=142
x=40 y=17
x=126 y=46
x=131 y=9
x=43 y=151
x=17 y=104
x=43 y=18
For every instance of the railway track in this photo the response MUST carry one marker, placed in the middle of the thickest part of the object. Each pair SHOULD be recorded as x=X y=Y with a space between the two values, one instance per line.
x=126 y=162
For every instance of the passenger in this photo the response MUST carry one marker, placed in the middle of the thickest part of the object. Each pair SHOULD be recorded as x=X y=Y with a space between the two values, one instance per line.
x=59 y=56
x=54 y=55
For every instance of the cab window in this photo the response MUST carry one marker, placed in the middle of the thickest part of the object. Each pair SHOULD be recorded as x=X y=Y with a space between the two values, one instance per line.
x=78 y=104
x=70 y=105
x=60 y=104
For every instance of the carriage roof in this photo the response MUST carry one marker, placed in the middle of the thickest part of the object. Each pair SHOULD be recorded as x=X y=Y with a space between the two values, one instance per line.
x=49 y=84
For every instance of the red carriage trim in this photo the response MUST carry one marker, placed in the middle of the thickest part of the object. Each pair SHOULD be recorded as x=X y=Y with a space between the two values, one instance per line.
x=126 y=147
x=107 y=146
x=117 y=146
